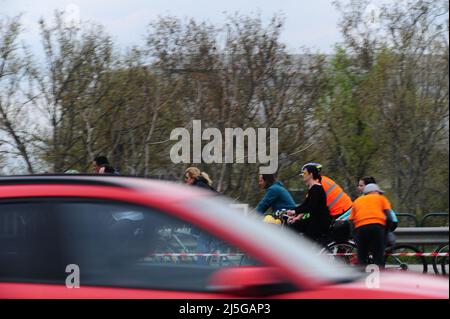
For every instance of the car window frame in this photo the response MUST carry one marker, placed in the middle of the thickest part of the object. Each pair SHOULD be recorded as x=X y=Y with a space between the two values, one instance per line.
x=89 y=200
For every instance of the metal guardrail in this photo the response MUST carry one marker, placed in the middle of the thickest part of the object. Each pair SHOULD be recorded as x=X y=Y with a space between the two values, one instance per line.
x=422 y=235
x=409 y=217
x=410 y=220
x=433 y=215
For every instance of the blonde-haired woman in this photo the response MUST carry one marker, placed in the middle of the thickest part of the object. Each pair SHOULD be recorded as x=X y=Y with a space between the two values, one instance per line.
x=193 y=176
x=205 y=243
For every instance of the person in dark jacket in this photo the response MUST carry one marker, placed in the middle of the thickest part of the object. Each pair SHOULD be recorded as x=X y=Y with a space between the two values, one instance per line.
x=101 y=166
x=205 y=243
x=312 y=217
x=193 y=176
x=276 y=197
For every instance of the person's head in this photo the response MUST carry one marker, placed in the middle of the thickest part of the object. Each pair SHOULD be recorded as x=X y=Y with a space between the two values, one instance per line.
x=99 y=164
x=317 y=165
x=192 y=174
x=266 y=180
x=311 y=174
x=372 y=189
x=365 y=181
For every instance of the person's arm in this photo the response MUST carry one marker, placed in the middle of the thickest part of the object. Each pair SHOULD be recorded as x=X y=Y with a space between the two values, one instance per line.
x=345 y=216
x=386 y=207
x=267 y=201
x=394 y=216
x=390 y=214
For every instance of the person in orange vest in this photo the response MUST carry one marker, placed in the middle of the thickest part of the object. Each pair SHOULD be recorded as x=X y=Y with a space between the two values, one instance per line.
x=338 y=201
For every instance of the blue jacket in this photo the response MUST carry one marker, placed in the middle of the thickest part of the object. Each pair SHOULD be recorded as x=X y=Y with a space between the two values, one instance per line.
x=276 y=197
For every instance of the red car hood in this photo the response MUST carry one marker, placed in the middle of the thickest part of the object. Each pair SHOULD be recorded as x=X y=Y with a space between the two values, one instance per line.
x=392 y=285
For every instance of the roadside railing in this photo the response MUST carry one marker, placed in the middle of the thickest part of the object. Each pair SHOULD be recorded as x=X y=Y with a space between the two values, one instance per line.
x=422 y=235
x=440 y=219
x=435 y=219
x=407 y=220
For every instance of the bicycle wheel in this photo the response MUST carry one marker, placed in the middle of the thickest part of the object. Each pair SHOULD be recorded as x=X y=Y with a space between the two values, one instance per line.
x=441 y=261
x=444 y=266
x=444 y=261
x=404 y=257
x=345 y=252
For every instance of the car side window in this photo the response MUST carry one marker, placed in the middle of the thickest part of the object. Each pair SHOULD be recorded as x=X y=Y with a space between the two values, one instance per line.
x=113 y=244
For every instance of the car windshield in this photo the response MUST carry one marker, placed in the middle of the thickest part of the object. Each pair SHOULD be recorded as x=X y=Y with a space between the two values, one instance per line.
x=286 y=246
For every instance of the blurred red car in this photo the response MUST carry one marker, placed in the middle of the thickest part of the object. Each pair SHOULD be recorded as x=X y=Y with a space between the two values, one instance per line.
x=117 y=237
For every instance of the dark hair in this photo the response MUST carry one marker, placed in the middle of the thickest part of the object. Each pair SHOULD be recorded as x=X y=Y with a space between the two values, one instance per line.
x=314 y=171
x=269 y=179
x=368 y=180
x=101 y=160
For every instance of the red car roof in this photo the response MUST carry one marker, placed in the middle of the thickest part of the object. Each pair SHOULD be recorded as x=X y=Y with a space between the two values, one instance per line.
x=163 y=189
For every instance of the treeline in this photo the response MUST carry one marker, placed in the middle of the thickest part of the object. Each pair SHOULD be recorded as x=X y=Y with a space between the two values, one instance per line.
x=377 y=106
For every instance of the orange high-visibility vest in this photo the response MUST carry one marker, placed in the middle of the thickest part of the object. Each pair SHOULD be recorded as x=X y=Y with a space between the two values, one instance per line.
x=338 y=201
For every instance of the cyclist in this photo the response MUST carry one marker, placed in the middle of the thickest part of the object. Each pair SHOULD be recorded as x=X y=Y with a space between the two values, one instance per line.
x=276 y=197
x=390 y=237
x=338 y=201
x=370 y=218
x=363 y=182
x=312 y=217
x=195 y=177
x=101 y=166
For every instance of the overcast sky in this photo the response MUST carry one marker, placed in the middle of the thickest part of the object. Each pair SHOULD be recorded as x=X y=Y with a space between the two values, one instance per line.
x=308 y=23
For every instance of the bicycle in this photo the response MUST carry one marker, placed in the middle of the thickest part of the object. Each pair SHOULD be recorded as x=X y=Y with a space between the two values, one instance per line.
x=279 y=217
x=334 y=247
x=341 y=246
x=397 y=257
x=405 y=257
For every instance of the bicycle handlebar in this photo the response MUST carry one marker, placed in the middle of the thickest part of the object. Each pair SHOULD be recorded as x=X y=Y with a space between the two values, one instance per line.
x=282 y=213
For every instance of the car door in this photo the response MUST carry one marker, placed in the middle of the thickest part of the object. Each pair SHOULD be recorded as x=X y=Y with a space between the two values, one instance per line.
x=94 y=248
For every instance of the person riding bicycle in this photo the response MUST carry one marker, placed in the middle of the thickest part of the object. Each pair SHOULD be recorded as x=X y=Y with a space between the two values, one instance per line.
x=195 y=177
x=362 y=183
x=101 y=165
x=338 y=201
x=371 y=218
x=277 y=197
x=390 y=237
x=312 y=217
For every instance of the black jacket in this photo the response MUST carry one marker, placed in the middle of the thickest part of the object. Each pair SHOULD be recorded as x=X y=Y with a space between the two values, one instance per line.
x=203 y=183
x=315 y=204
